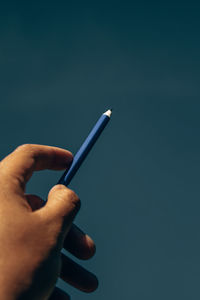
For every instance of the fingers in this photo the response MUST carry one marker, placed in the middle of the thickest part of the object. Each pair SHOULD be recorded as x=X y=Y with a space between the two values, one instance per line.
x=76 y=241
x=62 y=204
x=21 y=163
x=79 y=244
x=77 y=276
x=59 y=294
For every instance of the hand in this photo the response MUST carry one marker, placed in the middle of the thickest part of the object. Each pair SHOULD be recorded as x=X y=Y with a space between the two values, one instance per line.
x=32 y=235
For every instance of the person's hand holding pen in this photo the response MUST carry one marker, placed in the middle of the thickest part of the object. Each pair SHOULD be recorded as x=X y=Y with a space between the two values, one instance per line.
x=33 y=231
x=32 y=235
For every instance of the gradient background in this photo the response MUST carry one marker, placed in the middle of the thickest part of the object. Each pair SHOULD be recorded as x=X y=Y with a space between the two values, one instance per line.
x=61 y=65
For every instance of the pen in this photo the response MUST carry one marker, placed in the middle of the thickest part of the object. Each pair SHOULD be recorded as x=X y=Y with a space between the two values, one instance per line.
x=85 y=148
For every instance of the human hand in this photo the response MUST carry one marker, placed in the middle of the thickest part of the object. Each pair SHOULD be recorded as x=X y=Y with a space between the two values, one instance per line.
x=32 y=235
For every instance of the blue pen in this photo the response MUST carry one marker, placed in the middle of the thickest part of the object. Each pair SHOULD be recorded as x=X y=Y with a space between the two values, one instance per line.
x=85 y=148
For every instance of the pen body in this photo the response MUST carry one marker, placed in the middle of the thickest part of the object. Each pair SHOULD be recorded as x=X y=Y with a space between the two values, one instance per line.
x=84 y=149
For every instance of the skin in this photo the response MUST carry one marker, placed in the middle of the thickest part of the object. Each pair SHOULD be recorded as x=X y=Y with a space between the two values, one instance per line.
x=32 y=235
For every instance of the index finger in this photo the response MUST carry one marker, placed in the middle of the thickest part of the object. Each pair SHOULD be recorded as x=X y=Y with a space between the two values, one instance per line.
x=19 y=166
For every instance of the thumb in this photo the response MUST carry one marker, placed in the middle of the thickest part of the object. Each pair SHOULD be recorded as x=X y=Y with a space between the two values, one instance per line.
x=62 y=205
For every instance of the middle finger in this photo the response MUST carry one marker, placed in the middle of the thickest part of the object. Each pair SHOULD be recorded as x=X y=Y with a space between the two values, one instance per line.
x=79 y=244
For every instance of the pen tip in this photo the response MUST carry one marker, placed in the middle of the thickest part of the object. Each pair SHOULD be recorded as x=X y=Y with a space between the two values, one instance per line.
x=108 y=113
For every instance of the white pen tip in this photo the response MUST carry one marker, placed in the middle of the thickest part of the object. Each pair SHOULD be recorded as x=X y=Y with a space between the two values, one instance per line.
x=108 y=113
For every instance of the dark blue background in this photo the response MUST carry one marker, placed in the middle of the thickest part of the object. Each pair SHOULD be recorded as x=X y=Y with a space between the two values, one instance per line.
x=64 y=63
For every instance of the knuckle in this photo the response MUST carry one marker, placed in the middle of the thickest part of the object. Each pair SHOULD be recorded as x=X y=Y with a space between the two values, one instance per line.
x=58 y=188
x=75 y=200
x=64 y=193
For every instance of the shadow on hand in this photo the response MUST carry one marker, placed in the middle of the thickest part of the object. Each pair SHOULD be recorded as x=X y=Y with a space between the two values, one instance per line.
x=59 y=294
